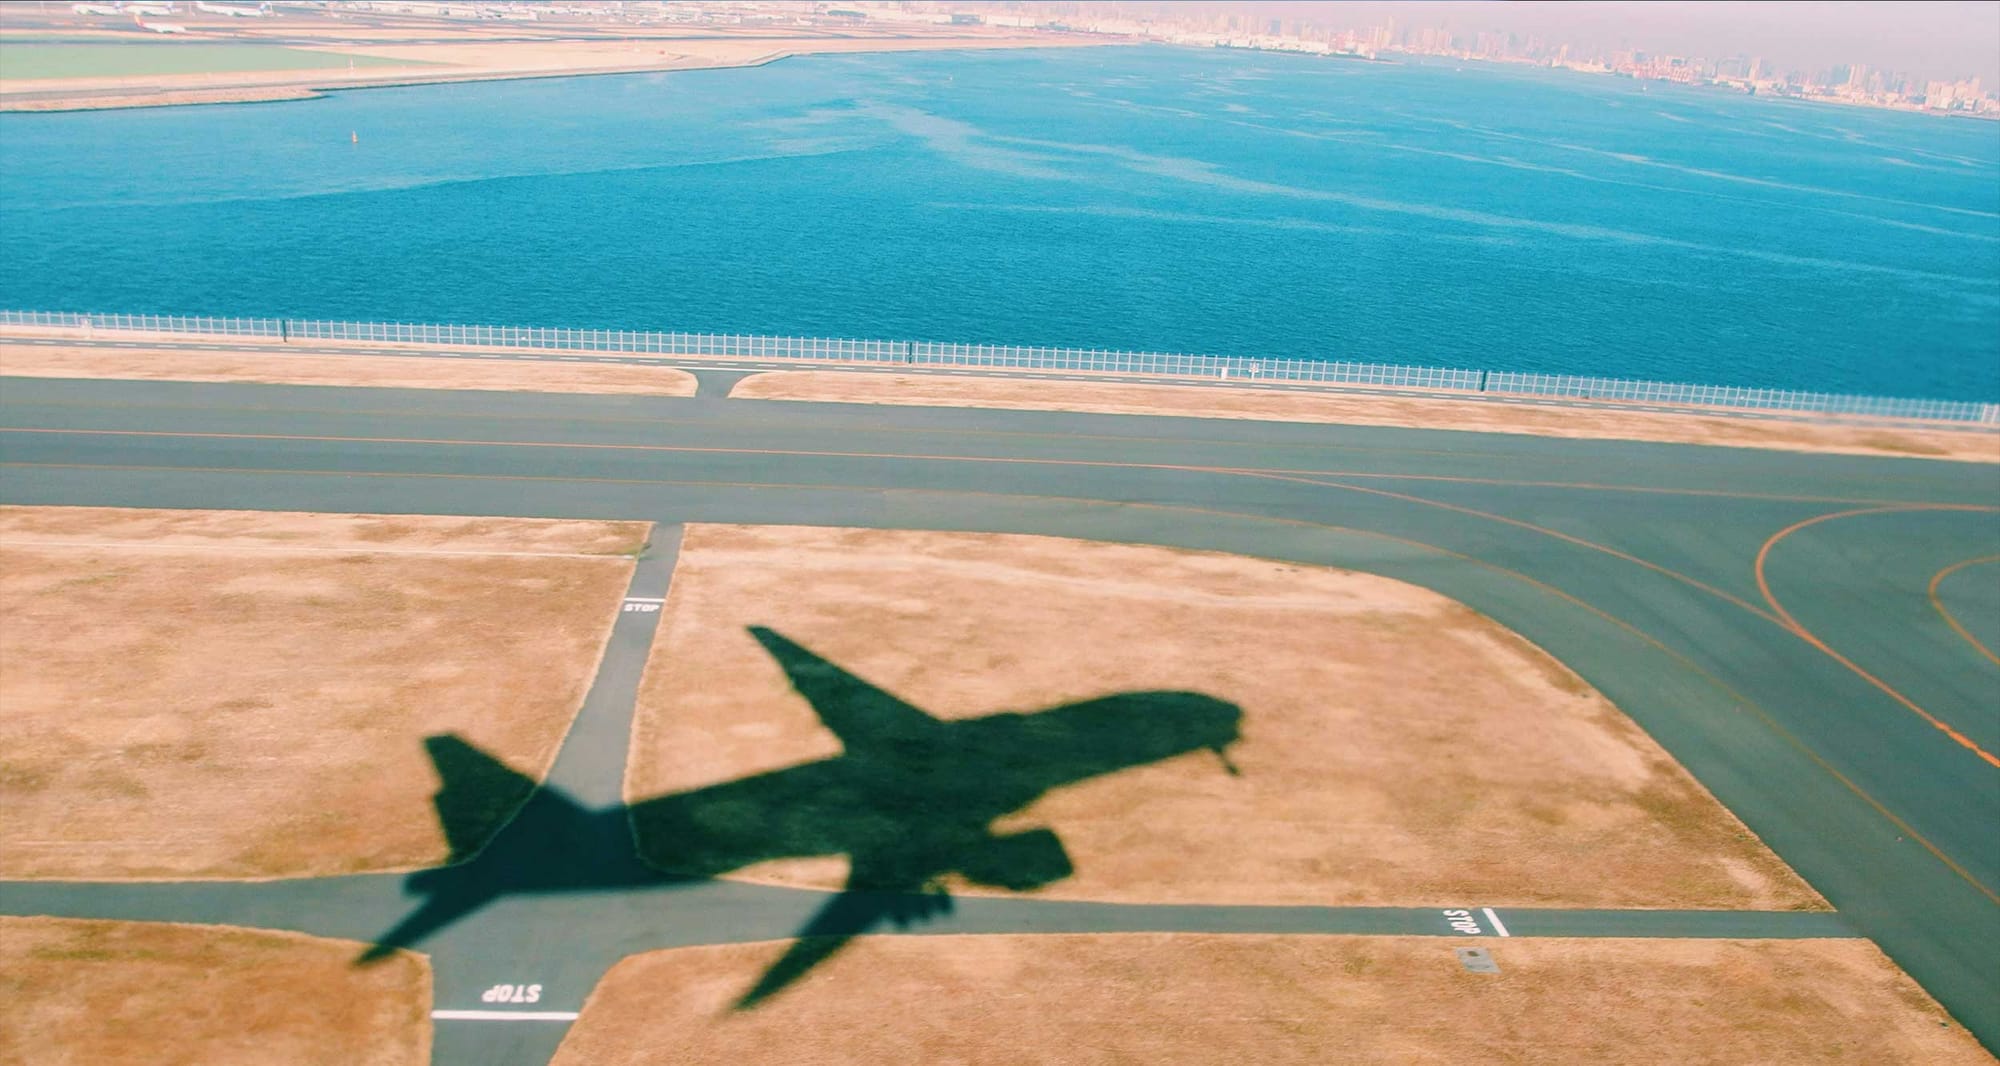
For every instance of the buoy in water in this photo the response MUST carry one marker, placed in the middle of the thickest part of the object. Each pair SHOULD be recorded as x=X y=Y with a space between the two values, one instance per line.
x=354 y=137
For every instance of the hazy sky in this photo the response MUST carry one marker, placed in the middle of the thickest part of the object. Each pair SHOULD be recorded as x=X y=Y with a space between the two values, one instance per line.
x=1932 y=39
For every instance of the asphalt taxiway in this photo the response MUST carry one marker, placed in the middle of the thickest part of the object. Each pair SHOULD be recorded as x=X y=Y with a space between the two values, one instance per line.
x=1773 y=619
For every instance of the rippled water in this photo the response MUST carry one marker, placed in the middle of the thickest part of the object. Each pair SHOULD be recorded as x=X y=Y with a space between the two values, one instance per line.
x=1147 y=198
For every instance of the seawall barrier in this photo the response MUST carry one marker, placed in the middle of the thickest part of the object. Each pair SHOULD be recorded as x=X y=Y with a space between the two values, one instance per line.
x=937 y=354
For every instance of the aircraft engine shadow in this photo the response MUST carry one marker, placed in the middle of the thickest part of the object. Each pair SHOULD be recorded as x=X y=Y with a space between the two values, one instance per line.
x=910 y=800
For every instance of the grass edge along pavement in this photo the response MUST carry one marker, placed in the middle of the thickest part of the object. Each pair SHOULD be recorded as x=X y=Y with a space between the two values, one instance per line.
x=247 y=359
x=85 y=990
x=1201 y=998
x=1354 y=691
x=602 y=490
x=1419 y=411
x=1255 y=561
x=390 y=369
x=213 y=748
x=1082 y=363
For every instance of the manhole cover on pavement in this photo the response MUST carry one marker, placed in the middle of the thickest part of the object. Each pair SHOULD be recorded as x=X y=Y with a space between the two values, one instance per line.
x=1477 y=960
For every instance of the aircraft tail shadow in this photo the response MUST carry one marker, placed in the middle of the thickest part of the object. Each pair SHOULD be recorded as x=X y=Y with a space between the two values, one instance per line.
x=912 y=799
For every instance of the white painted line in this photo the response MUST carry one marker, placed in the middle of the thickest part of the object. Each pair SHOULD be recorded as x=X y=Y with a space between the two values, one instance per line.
x=645 y=599
x=503 y=1015
x=1495 y=919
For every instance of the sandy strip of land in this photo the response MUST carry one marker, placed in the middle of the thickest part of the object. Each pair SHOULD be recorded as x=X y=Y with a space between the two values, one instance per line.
x=376 y=371
x=87 y=992
x=1397 y=747
x=111 y=101
x=177 y=709
x=1194 y=401
x=1305 y=999
x=472 y=59
x=399 y=366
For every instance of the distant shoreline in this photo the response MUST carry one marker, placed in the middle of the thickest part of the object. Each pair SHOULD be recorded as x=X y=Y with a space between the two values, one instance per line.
x=1706 y=88
x=70 y=103
x=109 y=94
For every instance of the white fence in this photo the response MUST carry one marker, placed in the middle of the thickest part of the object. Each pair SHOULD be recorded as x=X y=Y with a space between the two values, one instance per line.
x=1563 y=385
x=928 y=353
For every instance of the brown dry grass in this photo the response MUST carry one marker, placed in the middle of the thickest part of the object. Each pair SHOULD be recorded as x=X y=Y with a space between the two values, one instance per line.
x=1269 y=999
x=139 y=527
x=83 y=993
x=1197 y=401
x=374 y=371
x=1399 y=749
x=227 y=694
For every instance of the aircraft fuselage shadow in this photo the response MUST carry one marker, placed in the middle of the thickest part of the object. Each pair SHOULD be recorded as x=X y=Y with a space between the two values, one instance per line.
x=911 y=800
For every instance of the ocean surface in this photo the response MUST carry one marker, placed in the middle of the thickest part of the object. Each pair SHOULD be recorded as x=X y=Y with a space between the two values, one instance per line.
x=1159 y=199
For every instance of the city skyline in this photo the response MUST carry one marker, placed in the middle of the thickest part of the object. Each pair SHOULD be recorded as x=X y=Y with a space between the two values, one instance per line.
x=1480 y=31
x=1931 y=41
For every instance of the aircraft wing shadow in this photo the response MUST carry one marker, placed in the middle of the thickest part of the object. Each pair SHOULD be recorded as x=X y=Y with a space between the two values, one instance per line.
x=911 y=799
x=433 y=914
x=851 y=913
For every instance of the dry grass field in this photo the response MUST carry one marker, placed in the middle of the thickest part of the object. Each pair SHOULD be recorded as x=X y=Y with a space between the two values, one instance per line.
x=1398 y=748
x=90 y=993
x=378 y=371
x=1306 y=1000
x=1195 y=401
x=199 y=694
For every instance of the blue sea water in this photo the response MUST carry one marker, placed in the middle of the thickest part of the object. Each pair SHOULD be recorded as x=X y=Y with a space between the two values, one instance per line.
x=1143 y=198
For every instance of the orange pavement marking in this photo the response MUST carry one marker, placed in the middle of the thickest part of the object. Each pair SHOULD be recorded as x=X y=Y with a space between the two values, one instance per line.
x=1781 y=617
x=1946 y=615
x=1582 y=486
x=1544 y=530
x=1585 y=486
x=1754 y=708
x=1807 y=635
x=1777 y=615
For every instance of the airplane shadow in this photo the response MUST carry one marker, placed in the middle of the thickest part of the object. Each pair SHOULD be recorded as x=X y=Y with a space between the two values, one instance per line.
x=910 y=800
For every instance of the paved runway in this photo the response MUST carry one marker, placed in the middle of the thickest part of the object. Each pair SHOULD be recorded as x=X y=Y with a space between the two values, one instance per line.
x=1796 y=663
x=727 y=370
